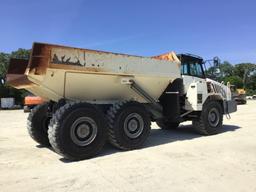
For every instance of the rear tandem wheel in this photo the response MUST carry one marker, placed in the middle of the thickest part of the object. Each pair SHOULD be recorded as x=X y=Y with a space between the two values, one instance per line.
x=37 y=124
x=129 y=125
x=77 y=131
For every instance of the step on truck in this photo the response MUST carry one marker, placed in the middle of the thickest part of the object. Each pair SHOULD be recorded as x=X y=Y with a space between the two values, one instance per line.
x=94 y=96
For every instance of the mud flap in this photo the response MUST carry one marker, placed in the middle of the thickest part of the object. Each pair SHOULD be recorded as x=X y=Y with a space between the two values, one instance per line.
x=229 y=106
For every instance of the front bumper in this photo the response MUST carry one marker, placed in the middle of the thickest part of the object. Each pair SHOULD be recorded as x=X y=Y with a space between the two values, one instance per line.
x=230 y=106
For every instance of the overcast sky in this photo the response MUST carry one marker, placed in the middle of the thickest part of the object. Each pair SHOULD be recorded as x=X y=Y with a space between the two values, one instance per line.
x=141 y=27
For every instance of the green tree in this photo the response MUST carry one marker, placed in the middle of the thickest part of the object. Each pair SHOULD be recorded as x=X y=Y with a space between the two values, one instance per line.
x=251 y=82
x=20 y=54
x=4 y=60
x=226 y=69
x=234 y=80
x=245 y=71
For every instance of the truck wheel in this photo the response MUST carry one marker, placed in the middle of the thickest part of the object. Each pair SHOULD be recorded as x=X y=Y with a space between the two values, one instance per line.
x=210 y=119
x=77 y=131
x=37 y=124
x=167 y=125
x=129 y=125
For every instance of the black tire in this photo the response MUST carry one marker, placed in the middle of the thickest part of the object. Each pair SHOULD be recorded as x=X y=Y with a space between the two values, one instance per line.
x=77 y=131
x=210 y=120
x=129 y=125
x=37 y=124
x=167 y=125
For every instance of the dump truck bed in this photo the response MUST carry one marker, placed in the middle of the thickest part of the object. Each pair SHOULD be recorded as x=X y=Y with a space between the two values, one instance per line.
x=54 y=72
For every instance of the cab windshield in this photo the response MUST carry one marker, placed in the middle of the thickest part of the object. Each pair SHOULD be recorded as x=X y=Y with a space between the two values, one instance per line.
x=192 y=69
x=191 y=65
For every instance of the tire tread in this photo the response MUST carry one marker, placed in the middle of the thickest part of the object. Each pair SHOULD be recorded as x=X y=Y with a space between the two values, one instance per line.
x=33 y=131
x=111 y=117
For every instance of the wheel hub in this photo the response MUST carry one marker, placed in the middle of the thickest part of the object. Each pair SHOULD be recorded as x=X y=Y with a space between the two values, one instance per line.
x=213 y=117
x=133 y=125
x=83 y=131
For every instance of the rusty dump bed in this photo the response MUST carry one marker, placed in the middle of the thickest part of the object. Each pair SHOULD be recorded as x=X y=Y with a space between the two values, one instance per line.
x=16 y=73
x=54 y=72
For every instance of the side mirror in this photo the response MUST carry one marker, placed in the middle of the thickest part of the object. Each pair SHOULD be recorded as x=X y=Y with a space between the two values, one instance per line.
x=216 y=61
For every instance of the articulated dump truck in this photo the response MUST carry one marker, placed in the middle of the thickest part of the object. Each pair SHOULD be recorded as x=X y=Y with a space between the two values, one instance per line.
x=95 y=96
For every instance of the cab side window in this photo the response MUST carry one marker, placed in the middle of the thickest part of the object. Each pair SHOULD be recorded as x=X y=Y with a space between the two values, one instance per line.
x=184 y=69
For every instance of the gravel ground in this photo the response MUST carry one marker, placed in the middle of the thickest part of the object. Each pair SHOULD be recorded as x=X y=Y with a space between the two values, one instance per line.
x=177 y=160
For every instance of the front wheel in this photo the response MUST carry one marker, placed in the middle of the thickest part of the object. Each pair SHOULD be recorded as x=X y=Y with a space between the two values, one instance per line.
x=210 y=120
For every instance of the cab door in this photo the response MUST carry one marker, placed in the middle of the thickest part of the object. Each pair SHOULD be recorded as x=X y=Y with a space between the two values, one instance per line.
x=194 y=84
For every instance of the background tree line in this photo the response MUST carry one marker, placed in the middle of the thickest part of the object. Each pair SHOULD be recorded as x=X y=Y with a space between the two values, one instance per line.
x=242 y=75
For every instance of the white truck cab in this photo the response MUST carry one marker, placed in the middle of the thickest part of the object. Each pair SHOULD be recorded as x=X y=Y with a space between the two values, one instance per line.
x=202 y=100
